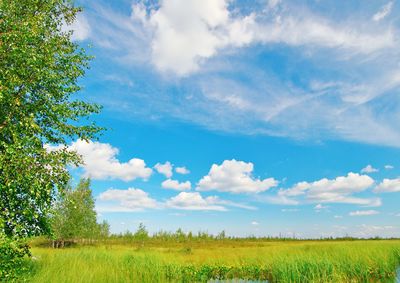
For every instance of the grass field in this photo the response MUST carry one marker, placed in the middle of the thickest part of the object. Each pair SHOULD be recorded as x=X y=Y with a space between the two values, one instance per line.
x=279 y=261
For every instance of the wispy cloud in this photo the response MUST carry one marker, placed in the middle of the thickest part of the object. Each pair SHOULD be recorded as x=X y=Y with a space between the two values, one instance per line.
x=133 y=199
x=348 y=66
x=383 y=12
x=363 y=213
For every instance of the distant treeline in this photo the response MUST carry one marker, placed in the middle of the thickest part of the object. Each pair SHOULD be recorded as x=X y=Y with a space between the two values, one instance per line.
x=142 y=237
x=74 y=220
x=179 y=235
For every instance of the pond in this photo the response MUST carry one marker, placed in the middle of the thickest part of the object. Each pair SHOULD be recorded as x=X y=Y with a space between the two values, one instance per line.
x=398 y=275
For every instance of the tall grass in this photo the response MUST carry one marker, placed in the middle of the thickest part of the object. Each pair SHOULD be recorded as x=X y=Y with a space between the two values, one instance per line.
x=297 y=261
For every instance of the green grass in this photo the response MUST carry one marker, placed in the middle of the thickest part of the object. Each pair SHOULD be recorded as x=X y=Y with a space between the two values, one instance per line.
x=297 y=261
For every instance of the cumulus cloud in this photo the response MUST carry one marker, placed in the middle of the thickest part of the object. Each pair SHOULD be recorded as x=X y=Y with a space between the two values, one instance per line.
x=175 y=185
x=254 y=223
x=363 y=212
x=165 y=169
x=338 y=190
x=383 y=12
x=194 y=201
x=80 y=28
x=125 y=200
x=132 y=199
x=234 y=177
x=101 y=163
x=388 y=186
x=389 y=167
x=187 y=32
x=369 y=169
x=182 y=170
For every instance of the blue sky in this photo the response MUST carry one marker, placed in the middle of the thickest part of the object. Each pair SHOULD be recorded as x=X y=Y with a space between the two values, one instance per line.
x=253 y=117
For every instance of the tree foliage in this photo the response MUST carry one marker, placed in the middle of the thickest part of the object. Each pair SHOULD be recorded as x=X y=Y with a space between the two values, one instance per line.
x=74 y=215
x=141 y=233
x=39 y=69
x=12 y=253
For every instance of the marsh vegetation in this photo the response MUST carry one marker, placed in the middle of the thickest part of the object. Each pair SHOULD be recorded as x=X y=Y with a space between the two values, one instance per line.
x=154 y=260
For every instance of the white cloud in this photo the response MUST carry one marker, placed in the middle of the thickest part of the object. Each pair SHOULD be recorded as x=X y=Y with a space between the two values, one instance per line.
x=187 y=32
x=388 y=186
x=369 y=169
x=314 y=31
x=337 y=216
x=165 y=169
x=383 y=12
x=175 y=185
x=80 y=28
x=100 y=162
x=370 y=228
x=125 y=200
x=319 y=207
x=363 y=213
x=346 y=108
x=277 y=199
x=182 y=170
x=235 y=204
x=182 y=32
x=290 y=209
x=254 y=223
x=194 y=201
x=234 y=177
x=389 y=167
x=338 y=190
x=273 y=3
x=132 y=199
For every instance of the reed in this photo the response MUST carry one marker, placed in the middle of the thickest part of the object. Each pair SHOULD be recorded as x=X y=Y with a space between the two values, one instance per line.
x=275 y=261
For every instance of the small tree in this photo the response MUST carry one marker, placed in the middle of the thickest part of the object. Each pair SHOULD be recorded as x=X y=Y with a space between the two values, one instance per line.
x=141 y=234
x=221 y=235
x=103 y=229
x=179 y=235
x=74 y=216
